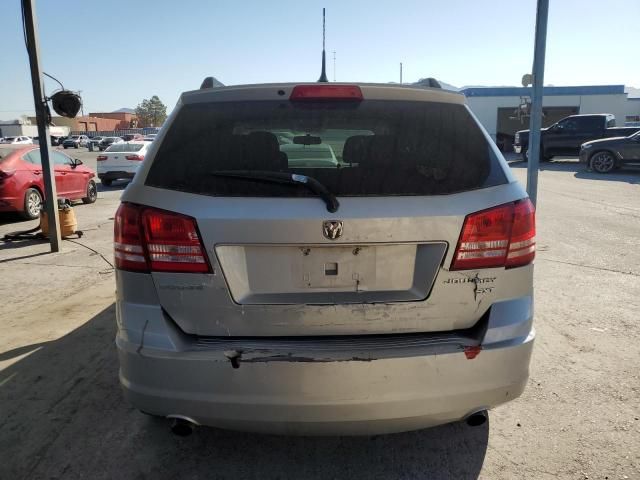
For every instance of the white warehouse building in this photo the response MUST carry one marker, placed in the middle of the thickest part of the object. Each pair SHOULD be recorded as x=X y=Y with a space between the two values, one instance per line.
x=495 y=107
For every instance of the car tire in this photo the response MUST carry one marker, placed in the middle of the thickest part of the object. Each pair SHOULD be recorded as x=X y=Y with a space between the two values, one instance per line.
x=32 y=204
x=603 y=162
x=65 y=147
x=75 y=146
x=107 y=182
x=92 y=193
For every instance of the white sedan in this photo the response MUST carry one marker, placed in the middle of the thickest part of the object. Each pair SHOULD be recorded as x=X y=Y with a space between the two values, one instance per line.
x=121 y=161
x=17 y=140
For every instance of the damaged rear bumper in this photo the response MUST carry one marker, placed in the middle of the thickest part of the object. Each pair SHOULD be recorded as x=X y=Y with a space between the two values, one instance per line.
x=346 y=386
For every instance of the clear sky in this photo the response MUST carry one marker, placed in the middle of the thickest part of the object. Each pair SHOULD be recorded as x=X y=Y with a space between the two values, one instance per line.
x=121 y=51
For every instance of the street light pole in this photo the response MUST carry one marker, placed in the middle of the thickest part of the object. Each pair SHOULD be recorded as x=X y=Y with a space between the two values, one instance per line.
x=536 y=99
x=42 y=115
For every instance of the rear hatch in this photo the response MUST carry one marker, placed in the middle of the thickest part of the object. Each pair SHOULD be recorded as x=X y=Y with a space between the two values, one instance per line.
x=284 y=258
x=121 y=157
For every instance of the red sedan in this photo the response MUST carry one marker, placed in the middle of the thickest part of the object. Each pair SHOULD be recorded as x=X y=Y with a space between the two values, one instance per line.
x=22 y=187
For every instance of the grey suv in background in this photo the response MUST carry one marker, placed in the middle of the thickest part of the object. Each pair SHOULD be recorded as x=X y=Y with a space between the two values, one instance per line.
x=607 y=154
x=376 y=278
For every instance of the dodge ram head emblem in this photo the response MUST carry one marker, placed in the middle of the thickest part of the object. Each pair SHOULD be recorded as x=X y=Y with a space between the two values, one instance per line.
x=332 y=229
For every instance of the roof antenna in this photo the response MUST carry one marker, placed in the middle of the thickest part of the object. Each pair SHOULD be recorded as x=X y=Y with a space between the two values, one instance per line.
x=323 y=75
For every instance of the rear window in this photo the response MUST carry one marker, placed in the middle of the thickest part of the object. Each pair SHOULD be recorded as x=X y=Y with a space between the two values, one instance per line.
x=368 y=148
x=125 y=147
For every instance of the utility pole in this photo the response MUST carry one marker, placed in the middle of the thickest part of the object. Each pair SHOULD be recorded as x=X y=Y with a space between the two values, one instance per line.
x=42 y=115
x=536 y=99
x=400 y=73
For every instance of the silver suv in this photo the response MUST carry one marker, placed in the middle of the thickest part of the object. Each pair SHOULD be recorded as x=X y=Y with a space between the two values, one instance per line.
x=323 y=259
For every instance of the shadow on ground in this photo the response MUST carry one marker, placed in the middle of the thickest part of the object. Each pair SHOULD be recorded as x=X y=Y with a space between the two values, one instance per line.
x=627 y=174
x=63 y=416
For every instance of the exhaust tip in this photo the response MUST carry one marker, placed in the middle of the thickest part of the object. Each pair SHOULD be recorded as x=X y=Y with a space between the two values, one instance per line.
x=182 y=427
x=477 y=419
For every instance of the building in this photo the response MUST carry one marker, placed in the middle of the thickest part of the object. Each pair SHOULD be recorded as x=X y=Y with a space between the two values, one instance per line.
x=125 y=119
x=18 y=128
x=496 y=107
x=96 y=122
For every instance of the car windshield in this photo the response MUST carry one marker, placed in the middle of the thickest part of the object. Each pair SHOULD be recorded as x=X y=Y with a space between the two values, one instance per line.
x=354 y=149
x=125 y=147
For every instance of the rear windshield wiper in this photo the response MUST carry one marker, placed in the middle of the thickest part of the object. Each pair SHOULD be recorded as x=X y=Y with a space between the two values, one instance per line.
x=285 y=179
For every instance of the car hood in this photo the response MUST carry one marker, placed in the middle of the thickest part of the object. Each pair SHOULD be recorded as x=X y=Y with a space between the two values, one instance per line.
x=606 y=141
x=526 y=132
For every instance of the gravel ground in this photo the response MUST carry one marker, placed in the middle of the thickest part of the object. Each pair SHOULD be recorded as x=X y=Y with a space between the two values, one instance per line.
x=62 y=414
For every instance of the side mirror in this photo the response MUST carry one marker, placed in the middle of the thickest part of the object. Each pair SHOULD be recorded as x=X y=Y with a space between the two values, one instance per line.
x=76 y=162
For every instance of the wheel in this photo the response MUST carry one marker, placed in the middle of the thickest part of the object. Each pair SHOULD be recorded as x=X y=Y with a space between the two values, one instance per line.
x=603 y=162
x=92 y=193
x=107 y=183
x=75 y=146
x=65 y=147
x=32 y=204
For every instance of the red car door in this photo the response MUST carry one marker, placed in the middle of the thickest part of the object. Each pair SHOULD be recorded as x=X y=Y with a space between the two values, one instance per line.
x=34 y=164
x=61 y=169
x=73 y=178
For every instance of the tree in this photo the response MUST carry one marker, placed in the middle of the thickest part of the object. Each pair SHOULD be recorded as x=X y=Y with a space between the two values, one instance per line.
x=151 y=112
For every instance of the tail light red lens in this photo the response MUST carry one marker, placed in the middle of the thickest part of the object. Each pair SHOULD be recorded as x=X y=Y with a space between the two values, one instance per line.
x=127 y=239
x=100 y=158
x=326 y=92
x=134 y=157
x=149 y=239
x=503 y=236
x=522 y=247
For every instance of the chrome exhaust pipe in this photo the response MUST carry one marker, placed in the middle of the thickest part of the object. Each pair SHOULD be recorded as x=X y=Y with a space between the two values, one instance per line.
x=477 y=418
x=182 y=426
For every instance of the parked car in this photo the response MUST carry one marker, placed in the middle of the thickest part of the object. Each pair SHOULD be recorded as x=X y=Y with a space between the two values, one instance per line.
x=75 y=141
x=130 y=137
x=567 y=135
x=95 y=141
x=107 y=141
x=20 y=140
x=390 y=291
x=607 y=154
x=22 y=187
x=57 y=140
x=121 y=161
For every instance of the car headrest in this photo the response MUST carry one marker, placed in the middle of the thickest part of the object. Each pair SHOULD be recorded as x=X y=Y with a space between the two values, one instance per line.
x=262 y=151
x=356 y=148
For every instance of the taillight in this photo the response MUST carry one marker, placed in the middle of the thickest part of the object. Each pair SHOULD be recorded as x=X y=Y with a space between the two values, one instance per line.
x=503 y=236
x=134 y=157
x=326 y=92
x=522 y=247
x=149 y=239
x=127 y=239
x=100 y=158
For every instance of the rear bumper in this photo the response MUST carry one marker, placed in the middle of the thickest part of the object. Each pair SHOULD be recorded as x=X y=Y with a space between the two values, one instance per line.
x=115 y=175
x=372 y=389
x=354 y=397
